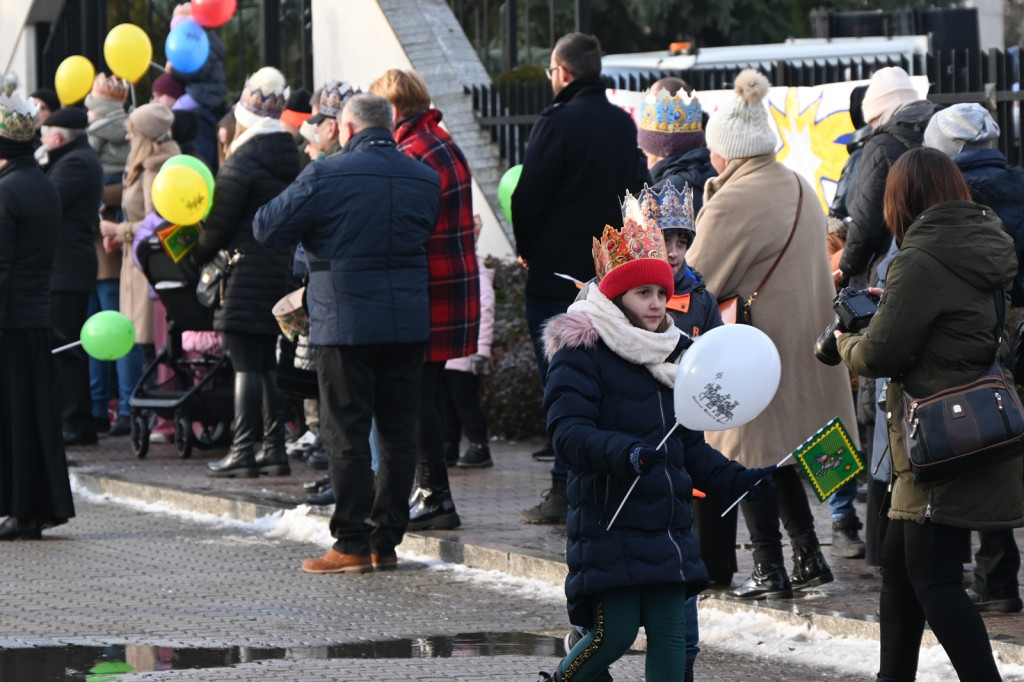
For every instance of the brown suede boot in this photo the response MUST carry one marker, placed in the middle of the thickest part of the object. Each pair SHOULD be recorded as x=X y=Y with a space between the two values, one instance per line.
x=336 y=562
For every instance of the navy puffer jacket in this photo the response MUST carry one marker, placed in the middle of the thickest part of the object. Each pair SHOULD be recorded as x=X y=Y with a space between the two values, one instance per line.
x=702 y=307
x=599 y=408
x=364 y=217
x=1001 y=188
x=255 y=173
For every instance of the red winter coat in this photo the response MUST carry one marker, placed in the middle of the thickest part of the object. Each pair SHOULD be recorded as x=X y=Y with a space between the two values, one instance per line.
x=454 y=279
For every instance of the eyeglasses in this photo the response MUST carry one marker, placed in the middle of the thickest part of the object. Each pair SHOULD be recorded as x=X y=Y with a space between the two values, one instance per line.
x=550 y=71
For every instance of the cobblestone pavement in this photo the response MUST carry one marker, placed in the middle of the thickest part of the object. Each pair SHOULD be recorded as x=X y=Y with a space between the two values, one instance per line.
x=117 y=575
x=491 y=537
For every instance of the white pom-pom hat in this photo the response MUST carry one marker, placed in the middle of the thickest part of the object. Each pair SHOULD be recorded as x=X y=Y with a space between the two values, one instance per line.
x=741 y=129
x=264 y=96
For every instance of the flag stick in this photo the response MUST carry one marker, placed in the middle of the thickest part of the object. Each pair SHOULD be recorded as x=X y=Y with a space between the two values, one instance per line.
x=637 y=480
x=781 y=462
x=65 y=347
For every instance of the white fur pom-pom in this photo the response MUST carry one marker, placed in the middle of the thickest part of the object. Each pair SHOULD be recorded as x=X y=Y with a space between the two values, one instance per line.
x=752 y=85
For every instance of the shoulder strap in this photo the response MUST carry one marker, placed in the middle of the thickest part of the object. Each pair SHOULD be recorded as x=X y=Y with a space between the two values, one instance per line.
x=796 y=221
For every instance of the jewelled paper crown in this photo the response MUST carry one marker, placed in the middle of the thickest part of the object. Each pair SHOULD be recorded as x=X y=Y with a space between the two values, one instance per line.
x=110 y=87
x=264 y=93
x=670 y=209
x=666 y=113
x=333 y=97
x=17 y=118
x=637 y=240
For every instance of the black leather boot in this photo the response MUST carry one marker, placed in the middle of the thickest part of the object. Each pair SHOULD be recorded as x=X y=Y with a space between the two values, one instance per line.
x=810 y=568
x=20 y=529
x=431 y=506
x=272 y=460
x=768 y=581
x=241 y=460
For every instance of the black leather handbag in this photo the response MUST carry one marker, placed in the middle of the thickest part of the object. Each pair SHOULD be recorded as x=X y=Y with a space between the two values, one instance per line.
x=967 y=427
x=213 y=278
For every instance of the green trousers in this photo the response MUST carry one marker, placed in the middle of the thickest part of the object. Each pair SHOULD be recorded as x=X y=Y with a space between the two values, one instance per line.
x=618 y=615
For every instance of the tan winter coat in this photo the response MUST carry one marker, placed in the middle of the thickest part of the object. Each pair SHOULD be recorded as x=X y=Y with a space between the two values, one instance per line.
x=137 y=204
x=747 y=216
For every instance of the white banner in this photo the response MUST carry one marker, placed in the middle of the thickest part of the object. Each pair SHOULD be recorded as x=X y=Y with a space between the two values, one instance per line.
x=812 y=125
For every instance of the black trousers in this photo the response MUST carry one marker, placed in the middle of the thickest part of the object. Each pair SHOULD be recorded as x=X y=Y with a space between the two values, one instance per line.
x=433 y=473
x=996 y=564
x=462 y=408
x=787 y=502
x=717 y=537
x=357 y=385
x=922 y=581
x=70 y=310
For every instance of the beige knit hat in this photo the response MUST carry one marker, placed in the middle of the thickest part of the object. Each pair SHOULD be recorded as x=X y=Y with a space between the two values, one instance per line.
x=889 y=87
x=741 y=129
x=151 y=120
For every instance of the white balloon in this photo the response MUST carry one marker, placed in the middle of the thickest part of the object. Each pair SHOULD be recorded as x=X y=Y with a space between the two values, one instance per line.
x=726 y=378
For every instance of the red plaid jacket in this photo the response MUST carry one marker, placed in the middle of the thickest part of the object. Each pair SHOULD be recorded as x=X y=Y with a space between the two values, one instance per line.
x=454 y=279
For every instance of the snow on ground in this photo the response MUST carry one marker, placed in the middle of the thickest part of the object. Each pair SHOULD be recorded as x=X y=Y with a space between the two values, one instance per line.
x=749 y=632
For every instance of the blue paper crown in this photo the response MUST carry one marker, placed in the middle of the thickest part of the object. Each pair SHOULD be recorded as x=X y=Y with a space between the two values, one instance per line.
x=670 y=209
x=665 y=113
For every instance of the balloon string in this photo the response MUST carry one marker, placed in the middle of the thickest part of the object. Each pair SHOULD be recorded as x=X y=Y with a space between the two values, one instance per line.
x=781 y=462
x=65 y=347
x=637 y=480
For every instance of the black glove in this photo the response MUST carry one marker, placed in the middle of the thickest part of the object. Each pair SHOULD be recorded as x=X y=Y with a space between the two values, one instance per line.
x=643 y=459
x=756 y=482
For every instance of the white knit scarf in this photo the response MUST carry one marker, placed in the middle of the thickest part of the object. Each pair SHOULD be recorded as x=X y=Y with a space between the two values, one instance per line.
x=263 y=126
x=629 y=342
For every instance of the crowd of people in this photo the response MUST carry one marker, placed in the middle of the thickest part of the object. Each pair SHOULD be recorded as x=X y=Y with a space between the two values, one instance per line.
x=364 y=200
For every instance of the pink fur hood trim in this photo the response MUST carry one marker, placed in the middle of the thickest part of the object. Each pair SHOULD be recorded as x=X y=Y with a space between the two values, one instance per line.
x=570 y=330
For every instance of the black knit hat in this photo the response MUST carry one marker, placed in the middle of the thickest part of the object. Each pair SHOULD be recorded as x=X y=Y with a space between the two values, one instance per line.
x=73 y=118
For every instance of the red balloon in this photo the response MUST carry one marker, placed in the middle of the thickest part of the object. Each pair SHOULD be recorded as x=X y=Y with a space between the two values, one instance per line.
x=212 y=13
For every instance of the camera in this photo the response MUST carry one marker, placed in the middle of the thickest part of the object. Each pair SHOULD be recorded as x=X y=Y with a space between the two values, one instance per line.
x=854 y=310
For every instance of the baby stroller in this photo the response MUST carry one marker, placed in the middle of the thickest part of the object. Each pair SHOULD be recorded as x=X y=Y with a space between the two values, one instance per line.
x=197 y=396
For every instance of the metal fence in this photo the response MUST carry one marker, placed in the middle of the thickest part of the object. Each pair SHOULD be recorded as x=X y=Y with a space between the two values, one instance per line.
x=990 y=78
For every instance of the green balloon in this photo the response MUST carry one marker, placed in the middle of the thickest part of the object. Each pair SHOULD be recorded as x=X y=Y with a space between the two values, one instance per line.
x=199 y=167
x=108 y=335
x=506 y=186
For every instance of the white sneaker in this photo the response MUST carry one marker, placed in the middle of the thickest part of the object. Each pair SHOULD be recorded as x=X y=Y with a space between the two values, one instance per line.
x=304 y=442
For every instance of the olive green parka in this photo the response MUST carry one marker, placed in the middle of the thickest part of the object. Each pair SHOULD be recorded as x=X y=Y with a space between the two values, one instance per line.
x=936 y=328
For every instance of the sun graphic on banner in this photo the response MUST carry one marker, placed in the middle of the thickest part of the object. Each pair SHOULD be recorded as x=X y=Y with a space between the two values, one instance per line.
x=811 y=146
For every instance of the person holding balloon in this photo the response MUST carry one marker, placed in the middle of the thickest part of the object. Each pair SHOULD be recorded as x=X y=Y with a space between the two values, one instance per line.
x=149 y=129
x=263 y=161
x=611 y=414
x=35 y=492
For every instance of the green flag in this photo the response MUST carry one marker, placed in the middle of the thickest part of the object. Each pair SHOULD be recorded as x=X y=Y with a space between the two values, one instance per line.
x=828 y=459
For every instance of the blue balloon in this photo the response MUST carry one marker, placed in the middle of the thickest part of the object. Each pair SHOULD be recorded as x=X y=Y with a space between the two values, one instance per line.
x=187 y=46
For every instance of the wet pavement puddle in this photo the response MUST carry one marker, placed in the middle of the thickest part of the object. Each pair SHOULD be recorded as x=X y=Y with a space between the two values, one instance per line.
x=107 y=663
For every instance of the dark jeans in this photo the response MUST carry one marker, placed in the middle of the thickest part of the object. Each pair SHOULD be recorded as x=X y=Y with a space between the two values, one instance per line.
x=996 y=565
x=922 y=582
x=357 y=385
x=462 y=408
x=70 y=310
x=787 y=502
x=540 y=309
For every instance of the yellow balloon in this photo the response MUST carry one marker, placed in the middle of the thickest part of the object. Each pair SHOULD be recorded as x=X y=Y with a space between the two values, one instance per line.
x=73 y=79
x=180 y=195
x=128 y=51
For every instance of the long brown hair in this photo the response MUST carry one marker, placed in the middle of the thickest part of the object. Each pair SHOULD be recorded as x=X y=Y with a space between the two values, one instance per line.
x=918 y=180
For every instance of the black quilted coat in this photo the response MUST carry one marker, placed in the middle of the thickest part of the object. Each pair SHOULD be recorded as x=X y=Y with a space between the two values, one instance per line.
x=254 y=174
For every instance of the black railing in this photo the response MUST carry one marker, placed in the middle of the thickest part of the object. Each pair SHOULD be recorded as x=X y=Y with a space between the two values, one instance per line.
x=990 y=78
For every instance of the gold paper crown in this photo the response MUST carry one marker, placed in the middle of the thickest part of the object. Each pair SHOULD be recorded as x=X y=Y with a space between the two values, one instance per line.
x=666 y=113
x=670 y=209
x=17 y=118
x=636 y=240
x=110 y=87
